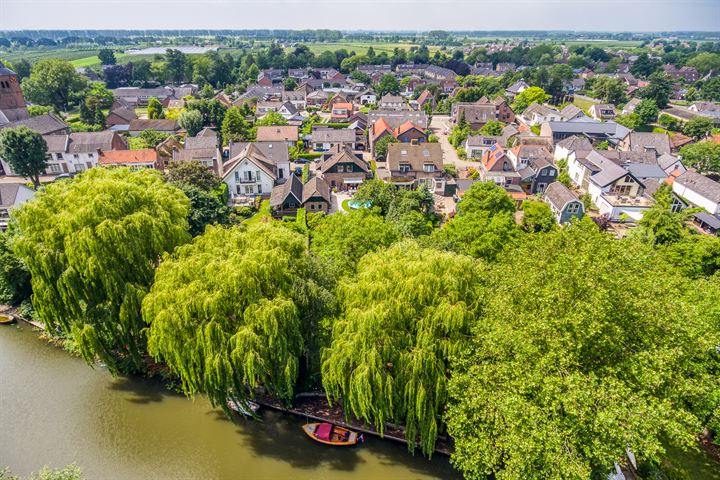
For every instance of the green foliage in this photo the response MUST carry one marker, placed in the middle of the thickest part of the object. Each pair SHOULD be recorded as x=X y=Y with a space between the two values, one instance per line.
x=192 y=173
x=91 y=111
x=25 y=151
x=271 y=119
x=663 y=225
x=381 y=146
x=609 y=89
x=702 y=156
x=90 y=244
x=191 y=121
x=404 y=315
x=710 y=90
x=529 y=96
x=69 y=472
x=306 y=173
x=558 y=382
x=340 y=241
x=705 y=62
x=206 y=208
x=14 y=275
x=486 y=197
x=155 y=109
x=671 y=123
x=698 y=127
x=659 y=89
x=629 y=120
x=537 y=217
x=647 y=111
x=37 y=110
x=492 y=128
x=54 y=82
x=234 y=126
x=224 y=312
x=107 y=56
x=388 y=85
x=604 y=145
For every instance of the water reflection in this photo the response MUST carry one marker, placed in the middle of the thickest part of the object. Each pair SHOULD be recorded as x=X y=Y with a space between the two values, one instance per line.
x=55 y=410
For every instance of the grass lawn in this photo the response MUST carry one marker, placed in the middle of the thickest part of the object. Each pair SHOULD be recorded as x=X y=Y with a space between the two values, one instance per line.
x=263 y=213
x=346 y=204
x=361 y=48
x=94 y=60
x=698 y=464
x=583 y=104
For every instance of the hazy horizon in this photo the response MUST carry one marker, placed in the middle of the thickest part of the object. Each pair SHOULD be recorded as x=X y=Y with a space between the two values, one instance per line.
x=368 y=15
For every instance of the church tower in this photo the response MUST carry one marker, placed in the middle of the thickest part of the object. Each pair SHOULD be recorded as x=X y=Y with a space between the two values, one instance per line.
x=12 y=101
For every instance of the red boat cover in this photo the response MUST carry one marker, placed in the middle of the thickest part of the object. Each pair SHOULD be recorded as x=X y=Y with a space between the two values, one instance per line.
x=323 y=431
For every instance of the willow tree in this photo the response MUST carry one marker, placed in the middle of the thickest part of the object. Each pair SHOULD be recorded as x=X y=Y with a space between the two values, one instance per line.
x=586 y=345
x=224 y=313
x=91 y=245
x=407 y=311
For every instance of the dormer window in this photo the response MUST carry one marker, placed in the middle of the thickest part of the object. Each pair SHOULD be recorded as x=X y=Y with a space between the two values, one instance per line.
x=428 y=167
x=404 y=167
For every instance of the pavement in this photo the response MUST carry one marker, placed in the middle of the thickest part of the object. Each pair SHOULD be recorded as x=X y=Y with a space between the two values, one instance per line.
x=439 y=125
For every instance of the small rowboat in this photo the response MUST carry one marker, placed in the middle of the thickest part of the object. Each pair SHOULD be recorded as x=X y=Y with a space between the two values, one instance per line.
x=6 y=319
x=330 y=434
x=247 y=408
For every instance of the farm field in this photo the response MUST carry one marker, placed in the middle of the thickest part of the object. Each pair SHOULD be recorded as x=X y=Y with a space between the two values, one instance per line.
x=362 y=47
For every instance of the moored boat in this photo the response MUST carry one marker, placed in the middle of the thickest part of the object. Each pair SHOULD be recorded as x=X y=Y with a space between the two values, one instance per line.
x=7 y=319
x=245 y=407
x=330 y=434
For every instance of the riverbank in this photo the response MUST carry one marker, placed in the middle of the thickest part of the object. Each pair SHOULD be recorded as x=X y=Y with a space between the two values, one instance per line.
x=316 y=407
x=312 y=407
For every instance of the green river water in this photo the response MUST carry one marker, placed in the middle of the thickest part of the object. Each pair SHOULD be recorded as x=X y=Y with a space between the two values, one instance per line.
x=55 y=410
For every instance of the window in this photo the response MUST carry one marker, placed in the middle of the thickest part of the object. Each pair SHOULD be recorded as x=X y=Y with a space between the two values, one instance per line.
x=79 y=167
x=237 y=177
x=249 y=189
x=259 y=189
x=59 y=156
x=238 y=188
x=540 y=187
x=551 y=172
x=90 y=155
x=54 y=168
x=340 y=169
x=573 y=208
x=428 y=167
x=76 y=156
x=312 y=206
x=404 y=168
x=628 y=179
x=621 y=189
x=543 y=172
x=281 y=173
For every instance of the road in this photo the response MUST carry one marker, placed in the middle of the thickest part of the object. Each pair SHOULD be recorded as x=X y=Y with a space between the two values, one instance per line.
x=439 y=125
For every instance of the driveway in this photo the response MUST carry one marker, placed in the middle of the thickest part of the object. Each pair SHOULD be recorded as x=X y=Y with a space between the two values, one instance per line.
x=439 y=125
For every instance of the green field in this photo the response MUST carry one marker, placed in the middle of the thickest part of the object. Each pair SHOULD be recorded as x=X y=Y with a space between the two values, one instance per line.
x=583 y=104
x=94 y=60
x=362 y=47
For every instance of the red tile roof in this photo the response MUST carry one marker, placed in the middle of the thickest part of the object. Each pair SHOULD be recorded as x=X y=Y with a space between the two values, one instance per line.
x=405 y=127
x=120 y=157
x=379 y=127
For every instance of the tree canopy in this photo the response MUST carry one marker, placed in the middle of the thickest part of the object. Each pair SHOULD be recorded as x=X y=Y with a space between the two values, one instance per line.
x=25 y=151
x=224 y=313
x=406 y=312
x=54 y=82
x=91 y=244
x=585 y=345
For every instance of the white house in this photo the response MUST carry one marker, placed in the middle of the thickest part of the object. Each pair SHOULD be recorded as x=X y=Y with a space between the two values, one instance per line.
x=698 y=190
x=538 y=113
x=77 y=151
x=255 y=168
x=367 y=97
x=12 y=195
x=477 y=145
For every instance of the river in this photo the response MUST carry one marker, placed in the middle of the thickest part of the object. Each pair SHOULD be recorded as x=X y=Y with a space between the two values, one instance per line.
x=56 y=410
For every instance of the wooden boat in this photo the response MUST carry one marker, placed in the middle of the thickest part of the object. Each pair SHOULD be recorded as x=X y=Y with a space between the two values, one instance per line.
x=6 y=319
x=330 y=434
x=247 y=408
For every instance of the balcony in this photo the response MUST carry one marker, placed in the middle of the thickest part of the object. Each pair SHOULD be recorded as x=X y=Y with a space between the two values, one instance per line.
x=247 y=180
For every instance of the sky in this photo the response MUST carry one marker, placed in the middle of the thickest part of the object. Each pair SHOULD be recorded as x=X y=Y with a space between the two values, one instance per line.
x=590 y=15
